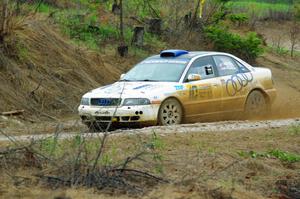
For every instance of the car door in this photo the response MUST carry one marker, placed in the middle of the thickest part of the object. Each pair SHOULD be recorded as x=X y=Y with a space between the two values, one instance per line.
x=204 y=95
x=233 y=83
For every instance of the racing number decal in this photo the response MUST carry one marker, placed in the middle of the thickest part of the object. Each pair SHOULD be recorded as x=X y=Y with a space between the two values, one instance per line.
x=193 y=92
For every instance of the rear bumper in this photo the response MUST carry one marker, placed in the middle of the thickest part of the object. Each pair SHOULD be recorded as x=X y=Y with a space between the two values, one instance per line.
x=122 y=114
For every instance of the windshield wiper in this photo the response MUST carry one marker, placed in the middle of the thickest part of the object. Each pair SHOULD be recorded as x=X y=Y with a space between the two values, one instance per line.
x=125 y=80
x=147 y=80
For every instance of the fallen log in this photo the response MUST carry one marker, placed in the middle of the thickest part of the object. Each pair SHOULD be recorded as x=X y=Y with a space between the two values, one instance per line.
x=10 y=113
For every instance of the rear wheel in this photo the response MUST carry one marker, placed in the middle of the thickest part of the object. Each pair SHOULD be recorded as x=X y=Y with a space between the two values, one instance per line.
x=256 y=105
x=170 y=112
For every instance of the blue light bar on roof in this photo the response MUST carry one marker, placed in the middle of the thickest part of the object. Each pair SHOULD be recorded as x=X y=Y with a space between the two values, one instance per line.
x=173 y=53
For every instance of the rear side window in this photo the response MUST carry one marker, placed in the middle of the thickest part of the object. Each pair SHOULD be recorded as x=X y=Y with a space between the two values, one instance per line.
x=226 y=65
x=203 y=66
x=242 y=68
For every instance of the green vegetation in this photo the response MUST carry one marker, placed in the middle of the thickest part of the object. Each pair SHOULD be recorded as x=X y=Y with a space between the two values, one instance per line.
x=38 y=7
x=276 y=153
x=261 y=9
x=44 y=8
x=92 y=24
x=156 y=145
x=238 y=19
x=248 y=48
x=86 y=29
x=22 y=51
x=285 y=156
x=51 y=147
x=85 y=26
x=79 y=146
x=294 y=130
x=143 y=9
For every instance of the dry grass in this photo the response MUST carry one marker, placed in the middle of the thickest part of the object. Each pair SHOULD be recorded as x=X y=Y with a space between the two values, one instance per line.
x=199 y=165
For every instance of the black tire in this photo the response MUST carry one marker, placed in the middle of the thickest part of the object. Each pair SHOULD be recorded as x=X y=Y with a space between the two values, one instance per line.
x=170 y=113
x=256 y=105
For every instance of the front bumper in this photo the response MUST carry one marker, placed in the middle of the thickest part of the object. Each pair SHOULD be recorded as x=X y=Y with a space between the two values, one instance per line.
x=122 y=114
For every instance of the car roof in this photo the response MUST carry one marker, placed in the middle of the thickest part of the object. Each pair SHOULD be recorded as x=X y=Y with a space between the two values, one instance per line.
x=185 y=57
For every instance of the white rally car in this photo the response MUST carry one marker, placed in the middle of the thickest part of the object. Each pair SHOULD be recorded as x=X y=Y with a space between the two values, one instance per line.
x=177 y=86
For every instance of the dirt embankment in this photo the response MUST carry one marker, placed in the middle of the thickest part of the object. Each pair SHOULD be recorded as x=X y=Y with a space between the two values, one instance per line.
x=48 y=74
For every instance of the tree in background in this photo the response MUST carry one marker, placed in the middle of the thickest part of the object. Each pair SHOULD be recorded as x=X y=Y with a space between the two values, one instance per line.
x=295 y=28
x=4 y=20
x=122 y=48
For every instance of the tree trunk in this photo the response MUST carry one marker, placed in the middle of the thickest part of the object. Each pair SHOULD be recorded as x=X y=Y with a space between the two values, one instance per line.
x=155 y=26
x=292 y=50
x=122 y=48
x=294 y=32
x=121 y=21
x=138 y=36
x=18 y=9
x=3 y=22
x=116 y=8
x=187 y=19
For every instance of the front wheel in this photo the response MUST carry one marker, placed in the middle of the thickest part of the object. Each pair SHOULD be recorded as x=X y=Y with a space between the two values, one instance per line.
x=256 y=105
x=170 y=113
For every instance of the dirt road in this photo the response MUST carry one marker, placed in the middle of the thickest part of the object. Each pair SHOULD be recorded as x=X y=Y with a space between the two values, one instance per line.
x=223 y=126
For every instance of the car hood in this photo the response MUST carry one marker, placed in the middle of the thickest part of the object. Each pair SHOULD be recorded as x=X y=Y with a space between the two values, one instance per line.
x=132 y=90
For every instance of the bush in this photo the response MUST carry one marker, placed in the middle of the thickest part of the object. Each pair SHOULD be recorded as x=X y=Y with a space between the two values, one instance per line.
x=86 y=28
x=238 y=19
x=248 y=48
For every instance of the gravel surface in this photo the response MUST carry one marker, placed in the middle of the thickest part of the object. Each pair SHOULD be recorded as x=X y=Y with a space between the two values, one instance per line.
x=184 y=128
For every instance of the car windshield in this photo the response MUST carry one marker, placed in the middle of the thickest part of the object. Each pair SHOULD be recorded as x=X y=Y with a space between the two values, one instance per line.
x=163 y=71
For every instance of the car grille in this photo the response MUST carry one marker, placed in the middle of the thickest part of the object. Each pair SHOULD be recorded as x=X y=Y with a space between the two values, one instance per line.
x=105 y=101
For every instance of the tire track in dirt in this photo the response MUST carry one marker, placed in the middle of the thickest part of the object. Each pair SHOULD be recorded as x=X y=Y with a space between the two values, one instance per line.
x=224 y=126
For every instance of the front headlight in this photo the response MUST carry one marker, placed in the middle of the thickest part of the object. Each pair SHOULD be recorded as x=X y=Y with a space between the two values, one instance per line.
x=85 y=101
x=136 y=101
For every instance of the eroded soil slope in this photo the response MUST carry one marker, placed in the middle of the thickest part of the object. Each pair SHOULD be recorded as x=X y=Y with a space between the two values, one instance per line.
x=46 y=74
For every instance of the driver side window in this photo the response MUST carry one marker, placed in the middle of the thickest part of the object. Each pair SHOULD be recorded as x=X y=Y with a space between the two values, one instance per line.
x=202 y=66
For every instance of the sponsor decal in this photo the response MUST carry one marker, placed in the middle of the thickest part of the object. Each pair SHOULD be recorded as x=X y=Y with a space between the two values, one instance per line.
x=142 y=86
x=237 y=82
x=179 y=87
x=102 y=112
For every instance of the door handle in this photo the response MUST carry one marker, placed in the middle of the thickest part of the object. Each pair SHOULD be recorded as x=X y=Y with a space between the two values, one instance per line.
x=215 y=85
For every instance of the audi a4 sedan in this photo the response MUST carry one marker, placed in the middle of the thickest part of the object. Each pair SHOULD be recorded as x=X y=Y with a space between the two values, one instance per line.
x=179 y=86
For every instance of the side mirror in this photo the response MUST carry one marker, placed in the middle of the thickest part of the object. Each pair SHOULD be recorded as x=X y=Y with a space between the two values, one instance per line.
x=122 y=75
x=194 y=77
